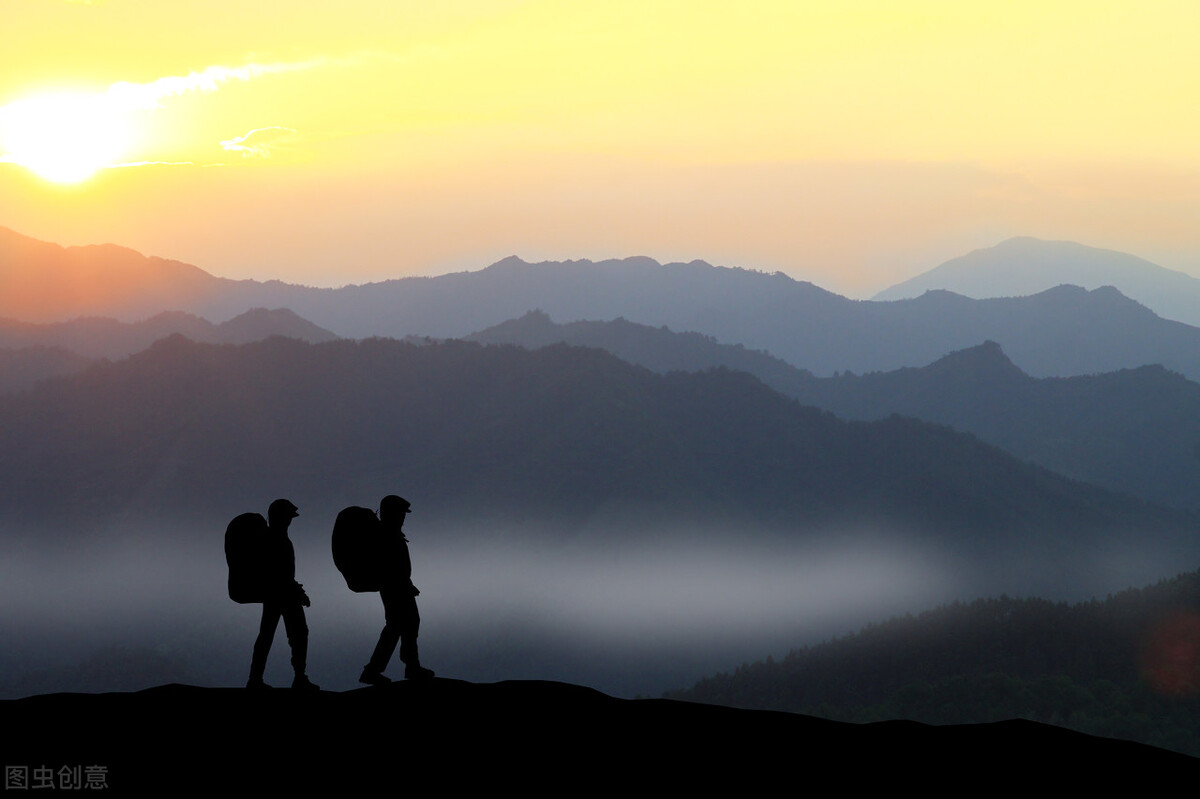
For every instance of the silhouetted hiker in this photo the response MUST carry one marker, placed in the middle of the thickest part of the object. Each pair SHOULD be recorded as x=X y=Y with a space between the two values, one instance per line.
x=399 y=595
x=282 y=597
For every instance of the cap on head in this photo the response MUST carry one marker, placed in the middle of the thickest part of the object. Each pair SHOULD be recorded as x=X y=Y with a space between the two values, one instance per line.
x=282 y=509
x=393 y=506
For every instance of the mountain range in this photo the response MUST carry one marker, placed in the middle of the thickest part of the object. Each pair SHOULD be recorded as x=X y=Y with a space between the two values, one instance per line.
x=563 y=438
x=1092 y=331
x=95 y=337
x=1134 y=430
x=30 y=352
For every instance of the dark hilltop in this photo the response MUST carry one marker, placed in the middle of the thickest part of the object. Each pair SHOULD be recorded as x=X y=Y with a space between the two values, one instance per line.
x=528 y=736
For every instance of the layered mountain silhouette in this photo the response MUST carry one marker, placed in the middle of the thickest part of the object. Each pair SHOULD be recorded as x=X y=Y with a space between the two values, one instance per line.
x=107 y=338
x=24 y=367
x=1023 y=265
x=1135 y=430
x=1059 y=332
x=30 y=352
x=44 y=282
x=562 y=439
x=659 y=349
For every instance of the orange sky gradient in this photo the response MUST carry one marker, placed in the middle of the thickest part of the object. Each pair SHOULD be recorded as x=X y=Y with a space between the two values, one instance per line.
x=851 y=143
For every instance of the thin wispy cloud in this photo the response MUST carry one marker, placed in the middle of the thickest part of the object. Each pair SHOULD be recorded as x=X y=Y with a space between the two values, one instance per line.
x=264 y=140
x=146 y=96
x=152 y=163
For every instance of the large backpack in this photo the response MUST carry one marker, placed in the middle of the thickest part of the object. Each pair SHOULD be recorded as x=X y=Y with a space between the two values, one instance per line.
x=248 y=554
x=358 y=548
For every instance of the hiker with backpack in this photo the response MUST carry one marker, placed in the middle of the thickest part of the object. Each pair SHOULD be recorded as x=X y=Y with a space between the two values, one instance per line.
x=262 y=568
x=372 y=553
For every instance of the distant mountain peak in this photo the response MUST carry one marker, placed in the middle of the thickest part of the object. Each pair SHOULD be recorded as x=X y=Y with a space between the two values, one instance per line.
x=1024 y=266
x=537 y=315
x=942 y=296
x=987 y=358
x=259 y=323
x=1109 y=292
x=535 y=328
x=1065 y=290
x=1108 y=297
x=1033 y=241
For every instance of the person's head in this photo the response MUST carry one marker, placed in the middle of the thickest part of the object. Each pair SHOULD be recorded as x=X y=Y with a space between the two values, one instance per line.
x=393 y=509
x=281 y=513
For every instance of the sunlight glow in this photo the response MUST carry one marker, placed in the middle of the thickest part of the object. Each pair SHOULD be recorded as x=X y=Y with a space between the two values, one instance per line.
x=64 y=137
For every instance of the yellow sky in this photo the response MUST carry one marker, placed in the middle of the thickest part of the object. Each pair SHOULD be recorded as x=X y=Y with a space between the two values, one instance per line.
x=853 y=143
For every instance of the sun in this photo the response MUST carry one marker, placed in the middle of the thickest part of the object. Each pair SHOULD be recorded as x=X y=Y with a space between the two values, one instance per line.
x=64 y=137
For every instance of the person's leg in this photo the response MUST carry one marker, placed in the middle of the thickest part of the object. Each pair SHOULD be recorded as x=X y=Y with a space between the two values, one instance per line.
x=388 y=638
x=297 y=632
x=410 y=625
x=262 y=644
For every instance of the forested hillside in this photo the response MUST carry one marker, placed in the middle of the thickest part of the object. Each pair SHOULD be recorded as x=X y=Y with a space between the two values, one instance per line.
x=1126 y=666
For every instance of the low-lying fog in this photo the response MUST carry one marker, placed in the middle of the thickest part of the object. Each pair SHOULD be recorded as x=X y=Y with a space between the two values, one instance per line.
x=625 y=618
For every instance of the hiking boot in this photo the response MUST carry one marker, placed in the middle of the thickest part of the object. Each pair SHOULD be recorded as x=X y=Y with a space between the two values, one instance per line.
x=256 y=684
x=417 y=672
x=373 y=678
x=302 y=683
